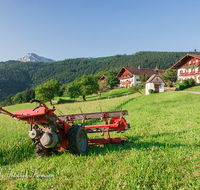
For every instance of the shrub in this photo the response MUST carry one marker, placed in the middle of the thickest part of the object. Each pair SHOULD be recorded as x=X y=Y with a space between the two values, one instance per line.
x=151 y=91
x=191 y=82
x=188 y=83
x=170 y=84
x=185 y=83
x=165 y=85
x=181 y=87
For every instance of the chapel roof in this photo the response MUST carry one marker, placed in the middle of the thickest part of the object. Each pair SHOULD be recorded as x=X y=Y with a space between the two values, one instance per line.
x=155 y=79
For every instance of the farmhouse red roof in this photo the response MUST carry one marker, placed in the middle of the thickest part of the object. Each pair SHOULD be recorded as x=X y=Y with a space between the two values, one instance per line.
x=103 y=77
x=136 y=71
x=182 y=61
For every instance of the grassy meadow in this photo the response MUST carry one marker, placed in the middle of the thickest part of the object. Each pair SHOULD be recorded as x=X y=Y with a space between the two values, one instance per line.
x=118 y=92
x=195 y=88
x=162 y=149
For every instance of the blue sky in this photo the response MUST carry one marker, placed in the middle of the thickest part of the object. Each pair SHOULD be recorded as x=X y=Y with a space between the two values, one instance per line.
x=96 y=28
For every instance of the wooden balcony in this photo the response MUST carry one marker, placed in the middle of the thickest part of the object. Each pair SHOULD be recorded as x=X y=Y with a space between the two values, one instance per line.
x=191 y=73
x=126 y=82
x=125 y=77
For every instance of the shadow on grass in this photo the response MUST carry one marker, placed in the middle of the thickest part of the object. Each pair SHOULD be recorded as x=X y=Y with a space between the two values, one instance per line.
x=65 y=101
x=16 y=155
x=138 y=144
x=88 y=99
x=118 y=94
x=124 y=103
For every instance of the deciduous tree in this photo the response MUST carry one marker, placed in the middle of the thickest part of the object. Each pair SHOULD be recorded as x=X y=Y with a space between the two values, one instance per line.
x=111 y=79
x=169 y=75
x=47 y=90
x=102 y=87
x=87 y=86
x=73 y=90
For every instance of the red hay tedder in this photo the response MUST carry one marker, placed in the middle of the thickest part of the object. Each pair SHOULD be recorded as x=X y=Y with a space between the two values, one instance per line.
x=56 y=133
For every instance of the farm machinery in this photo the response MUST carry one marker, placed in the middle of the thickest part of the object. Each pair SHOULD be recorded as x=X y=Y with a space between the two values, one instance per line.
x=60 y=132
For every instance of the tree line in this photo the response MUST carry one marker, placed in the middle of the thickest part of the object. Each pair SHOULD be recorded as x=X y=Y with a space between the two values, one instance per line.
x=21 y=97
x=82 y=86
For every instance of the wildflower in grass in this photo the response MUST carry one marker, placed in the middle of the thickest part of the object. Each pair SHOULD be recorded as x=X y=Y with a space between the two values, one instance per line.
x=138 y=186
x=144 y=186
x=124 y=185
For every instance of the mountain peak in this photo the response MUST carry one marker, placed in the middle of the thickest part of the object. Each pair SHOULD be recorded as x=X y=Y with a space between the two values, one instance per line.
x=32 y=57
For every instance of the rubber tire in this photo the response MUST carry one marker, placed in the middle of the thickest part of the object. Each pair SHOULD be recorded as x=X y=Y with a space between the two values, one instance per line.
x=42 y=151
x=78 y=140
x=122 y=142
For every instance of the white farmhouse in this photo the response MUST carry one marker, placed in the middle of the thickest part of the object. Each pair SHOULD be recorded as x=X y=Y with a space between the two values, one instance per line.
x=188 y=67
x=129 y=76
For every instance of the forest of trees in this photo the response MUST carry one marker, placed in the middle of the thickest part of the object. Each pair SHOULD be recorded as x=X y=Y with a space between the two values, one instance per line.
x=20 y=97
x=84 y=86
x=18 y=76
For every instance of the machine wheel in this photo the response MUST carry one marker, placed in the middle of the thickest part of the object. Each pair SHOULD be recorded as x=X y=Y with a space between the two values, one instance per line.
x=78 y=140
x=123 y=142
x=42 y=151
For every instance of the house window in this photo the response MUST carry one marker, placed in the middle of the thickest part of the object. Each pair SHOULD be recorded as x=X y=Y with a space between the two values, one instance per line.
x=197 y=61
x=189 y=62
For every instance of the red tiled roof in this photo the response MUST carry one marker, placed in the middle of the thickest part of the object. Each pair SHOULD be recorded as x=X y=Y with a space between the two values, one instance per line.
x=136 y=71
x=182 y=61
x=103 y=77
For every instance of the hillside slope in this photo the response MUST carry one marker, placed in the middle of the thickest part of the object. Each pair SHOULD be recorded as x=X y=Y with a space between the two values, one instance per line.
x=162 y=151
x=16 y=76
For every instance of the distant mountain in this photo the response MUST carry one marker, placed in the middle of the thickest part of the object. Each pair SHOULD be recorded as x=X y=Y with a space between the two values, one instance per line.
x=32 y=57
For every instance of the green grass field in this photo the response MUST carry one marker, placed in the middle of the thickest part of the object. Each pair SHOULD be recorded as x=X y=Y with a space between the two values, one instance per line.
x=195 y=88
x=162 y=149
x=118 y=92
